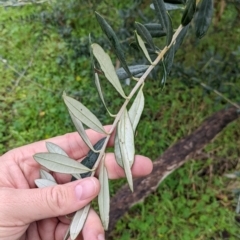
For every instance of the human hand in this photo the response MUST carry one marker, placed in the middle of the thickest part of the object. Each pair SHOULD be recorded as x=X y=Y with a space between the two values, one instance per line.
x=27 y=212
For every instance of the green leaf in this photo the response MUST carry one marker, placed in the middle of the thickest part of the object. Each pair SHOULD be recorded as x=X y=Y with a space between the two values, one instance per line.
x=78 y=221
x=92 y=157
x=60 y=163
x=83 y=114
x=112 y=37
x=135 y=70
x=136 y=109
x=169 y=6
x=107 y=67
x=142 y=46
x=161 y=13
x=180 y=37
x=189 y=12
x=164 y=77
x=97 y=83
x=203 y=18
x=104 y=196
x=145 y=35
x=45 y=175
x=126 y=140
x=169 y=59
x=41 y=183
x=53 y=148
x=169 y=31
x=155 y=29
x=79 y=126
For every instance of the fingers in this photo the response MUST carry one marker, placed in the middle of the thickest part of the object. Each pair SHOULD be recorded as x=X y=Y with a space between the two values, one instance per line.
x=142 y=166
x=92 y=229
x=23 y=206
x=71 y=143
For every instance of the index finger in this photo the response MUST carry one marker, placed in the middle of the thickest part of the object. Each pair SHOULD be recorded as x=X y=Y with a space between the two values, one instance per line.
x=71 y=143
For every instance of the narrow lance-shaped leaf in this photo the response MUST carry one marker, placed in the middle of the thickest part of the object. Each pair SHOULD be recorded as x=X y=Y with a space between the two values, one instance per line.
x=136 y=109
x=170 y=6
x=155 y=29
x=169 y=59
x=126 y=139
x=164 y=76
x=161 y=13
x=135 y=70
x=107 y=67
x=41 y=183
x=117 y=150
x=53 y=148
x=45 y=175
x=169 y=31
x=203 y=18
x=78 y=221
x=92 y=157
x=60 y=163
x=142 y=46
x=145 y=34
x=189 y=12
x=97 y=83
x=112 y=37
x=79 y=126
x=83 y=114
x=180 y=37
x=104 y=196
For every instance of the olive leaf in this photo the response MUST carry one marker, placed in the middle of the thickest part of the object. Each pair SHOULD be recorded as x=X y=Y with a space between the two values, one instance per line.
x=41 y=183
x=117 y=150
x=60 y=163
x=164 y=75
x=189 y=12
x=97 y=83
x=78 y=221
x=112 y=37
x=203 y=17
x=92 y=157
x=79 y=126
x=142 y=46
x=136 y=109
x=45 y=175
x=53 y=148
x=107 y=67
x=104 y=195
x=155 y=29
x=145 y=34
x=169 y=31
x=83 y=114
x=180 y=37
x=161 y=12
x=126 y=140
x=170 y=6
x=169 y=59
x=135 y=70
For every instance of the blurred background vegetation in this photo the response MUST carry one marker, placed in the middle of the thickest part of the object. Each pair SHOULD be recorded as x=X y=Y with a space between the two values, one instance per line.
x=44 y=51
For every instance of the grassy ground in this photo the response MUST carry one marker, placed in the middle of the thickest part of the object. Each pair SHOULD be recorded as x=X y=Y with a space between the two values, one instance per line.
x=40 y=65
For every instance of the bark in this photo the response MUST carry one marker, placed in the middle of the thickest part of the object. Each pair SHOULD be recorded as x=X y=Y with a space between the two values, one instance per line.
x=174 y=157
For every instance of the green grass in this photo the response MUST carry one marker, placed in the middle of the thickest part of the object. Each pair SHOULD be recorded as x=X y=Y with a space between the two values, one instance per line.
x=187 y=205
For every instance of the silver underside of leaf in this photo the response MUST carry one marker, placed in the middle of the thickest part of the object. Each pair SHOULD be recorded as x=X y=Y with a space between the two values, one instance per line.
x=78 y=221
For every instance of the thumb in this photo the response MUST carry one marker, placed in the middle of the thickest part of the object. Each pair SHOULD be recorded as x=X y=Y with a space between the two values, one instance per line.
x=29 y=205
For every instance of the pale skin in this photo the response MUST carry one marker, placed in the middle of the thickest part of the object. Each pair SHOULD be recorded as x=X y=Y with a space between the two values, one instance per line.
x=27 y=212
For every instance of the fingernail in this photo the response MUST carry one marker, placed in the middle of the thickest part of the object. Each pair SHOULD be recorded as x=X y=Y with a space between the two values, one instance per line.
x=85 y=189
x=101 y=237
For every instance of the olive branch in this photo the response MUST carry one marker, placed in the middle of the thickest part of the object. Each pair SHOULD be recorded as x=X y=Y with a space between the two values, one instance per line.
x=126 y=120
